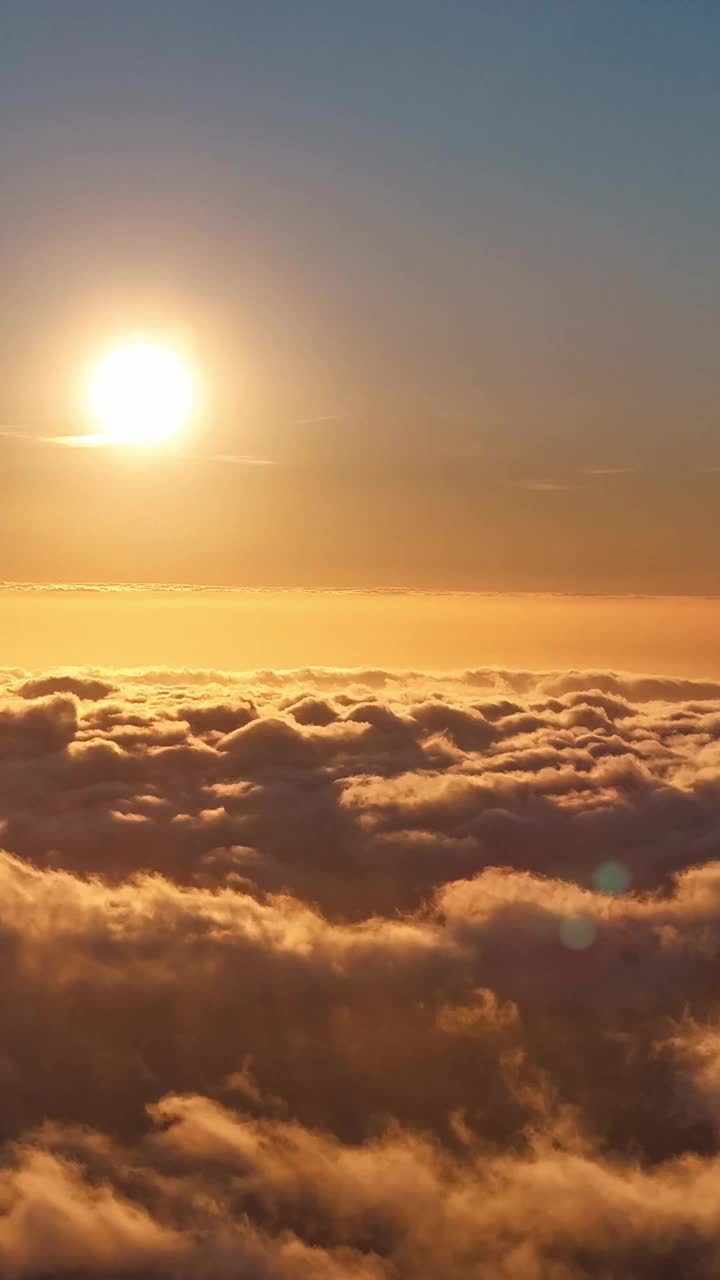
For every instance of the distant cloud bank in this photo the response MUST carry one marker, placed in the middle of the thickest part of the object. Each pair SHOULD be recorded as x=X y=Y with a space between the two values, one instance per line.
x=359 y=975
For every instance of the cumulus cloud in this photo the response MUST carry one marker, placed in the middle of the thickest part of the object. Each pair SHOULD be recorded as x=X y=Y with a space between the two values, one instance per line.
x=359 y=974
x=82 y=686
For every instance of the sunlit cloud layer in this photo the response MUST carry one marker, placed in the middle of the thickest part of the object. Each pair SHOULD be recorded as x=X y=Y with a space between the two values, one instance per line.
x=359 y=975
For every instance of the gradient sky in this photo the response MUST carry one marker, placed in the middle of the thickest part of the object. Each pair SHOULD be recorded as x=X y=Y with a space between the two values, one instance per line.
x=448 y=270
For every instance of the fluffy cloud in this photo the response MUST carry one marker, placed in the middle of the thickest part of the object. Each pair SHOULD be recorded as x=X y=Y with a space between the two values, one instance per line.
x=359 y=974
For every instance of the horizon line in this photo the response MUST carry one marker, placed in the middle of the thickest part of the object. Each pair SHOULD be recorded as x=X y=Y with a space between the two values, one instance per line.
x=98 y=586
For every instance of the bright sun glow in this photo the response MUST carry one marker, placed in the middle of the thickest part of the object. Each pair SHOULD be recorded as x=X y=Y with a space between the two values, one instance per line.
x=140 y=393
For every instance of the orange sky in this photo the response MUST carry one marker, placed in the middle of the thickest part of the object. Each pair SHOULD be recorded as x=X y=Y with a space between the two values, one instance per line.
x=241 y=630
x=329 y=509
x=453 y=313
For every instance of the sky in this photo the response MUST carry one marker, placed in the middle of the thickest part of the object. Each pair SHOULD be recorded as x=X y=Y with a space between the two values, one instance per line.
x=359 y=640
x=446 y=273
x=234 y=629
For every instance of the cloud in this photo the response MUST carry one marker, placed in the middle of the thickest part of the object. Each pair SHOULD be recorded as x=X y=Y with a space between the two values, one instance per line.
x=359 y=974
x=547 y=486
x=235 y=459
x=82 y=686
x=93 y=440
x=602 y=472
x=43 y=727
x=78 y=440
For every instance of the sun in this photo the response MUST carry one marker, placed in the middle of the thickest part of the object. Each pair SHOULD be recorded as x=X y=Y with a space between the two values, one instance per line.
x=140 y=392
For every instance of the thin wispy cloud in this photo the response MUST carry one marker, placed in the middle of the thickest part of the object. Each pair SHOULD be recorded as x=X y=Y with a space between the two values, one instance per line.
x=79 y=441
x=546 y=486
x=578 y=482
x=234 y=459
x=611 y=471
x=88 y=440
x=318 y=418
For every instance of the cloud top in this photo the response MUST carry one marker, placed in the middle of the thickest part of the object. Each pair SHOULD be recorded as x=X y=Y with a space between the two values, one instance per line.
x=359 y=975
